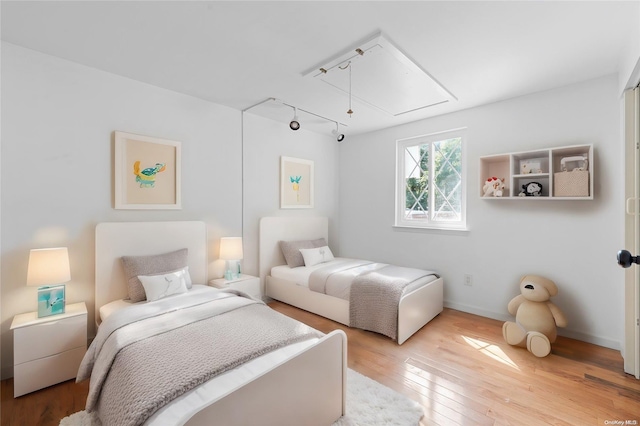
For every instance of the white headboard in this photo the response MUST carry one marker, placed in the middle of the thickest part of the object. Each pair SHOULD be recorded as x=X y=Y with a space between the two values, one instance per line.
x=286 y=228
x=117 y=239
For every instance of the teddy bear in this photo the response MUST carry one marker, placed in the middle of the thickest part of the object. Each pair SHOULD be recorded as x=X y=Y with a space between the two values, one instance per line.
x=493 y=187
x=536 y=317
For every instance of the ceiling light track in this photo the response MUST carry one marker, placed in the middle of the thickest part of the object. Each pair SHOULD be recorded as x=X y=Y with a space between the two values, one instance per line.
x=295 y=124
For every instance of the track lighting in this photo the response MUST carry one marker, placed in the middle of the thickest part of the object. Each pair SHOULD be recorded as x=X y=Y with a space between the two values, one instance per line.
x=339 y=136
x=294 y=124
x=360 y=52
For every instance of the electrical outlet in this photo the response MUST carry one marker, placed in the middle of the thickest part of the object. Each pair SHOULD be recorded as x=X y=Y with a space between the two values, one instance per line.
x=467 y=280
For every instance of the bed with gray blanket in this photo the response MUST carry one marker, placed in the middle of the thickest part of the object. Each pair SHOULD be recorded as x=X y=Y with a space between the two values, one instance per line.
x=132 y=361
x=392 y=300
x=200 y=355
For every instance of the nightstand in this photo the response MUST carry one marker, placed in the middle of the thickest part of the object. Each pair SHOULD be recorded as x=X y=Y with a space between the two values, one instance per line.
x=48 y=350
x=247 y=283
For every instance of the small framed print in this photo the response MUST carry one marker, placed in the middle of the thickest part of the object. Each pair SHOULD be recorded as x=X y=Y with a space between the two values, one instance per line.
x=296 y=183
x=51 y=300
x=530 y=166
x=146 y=172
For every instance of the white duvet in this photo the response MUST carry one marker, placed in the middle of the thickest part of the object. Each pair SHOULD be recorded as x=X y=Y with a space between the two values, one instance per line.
x=340 y=274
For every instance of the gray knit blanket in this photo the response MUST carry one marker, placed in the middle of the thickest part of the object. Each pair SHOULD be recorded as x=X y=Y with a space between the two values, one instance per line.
x=373 y=290
x=142 y=359
x=375 y=298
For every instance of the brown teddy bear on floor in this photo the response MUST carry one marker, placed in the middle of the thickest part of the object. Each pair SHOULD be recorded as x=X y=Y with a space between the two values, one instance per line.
x=536 y=317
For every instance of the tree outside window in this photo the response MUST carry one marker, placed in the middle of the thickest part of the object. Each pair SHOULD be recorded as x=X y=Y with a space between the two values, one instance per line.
x=431 y=181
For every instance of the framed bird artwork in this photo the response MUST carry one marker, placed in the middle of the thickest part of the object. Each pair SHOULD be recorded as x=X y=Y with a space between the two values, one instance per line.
x=146 y=172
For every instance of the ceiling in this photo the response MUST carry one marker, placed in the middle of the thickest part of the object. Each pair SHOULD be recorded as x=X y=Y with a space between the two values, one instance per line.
x=240 y=53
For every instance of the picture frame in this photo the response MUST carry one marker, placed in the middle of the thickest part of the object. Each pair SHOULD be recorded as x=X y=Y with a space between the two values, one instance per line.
x=530 y=166
x=147 y=172
x=51 y=300
x=296 y=183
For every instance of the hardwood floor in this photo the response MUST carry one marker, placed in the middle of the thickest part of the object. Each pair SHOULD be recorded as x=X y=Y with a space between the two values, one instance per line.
x=457 y=366
x=463 y=373
x=45 y=407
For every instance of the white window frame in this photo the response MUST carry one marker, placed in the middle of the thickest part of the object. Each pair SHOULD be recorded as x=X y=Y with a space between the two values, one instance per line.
x=400 y=199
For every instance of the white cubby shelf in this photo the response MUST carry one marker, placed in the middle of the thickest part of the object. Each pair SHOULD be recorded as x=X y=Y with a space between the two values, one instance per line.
x=540 y=165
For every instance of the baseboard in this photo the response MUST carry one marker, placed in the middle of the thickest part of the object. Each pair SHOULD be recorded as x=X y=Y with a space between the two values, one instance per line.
x=477 y=311
x=596 y=340
x=584 y=337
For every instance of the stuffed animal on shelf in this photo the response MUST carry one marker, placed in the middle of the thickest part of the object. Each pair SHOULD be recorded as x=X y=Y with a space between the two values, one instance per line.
x=531 y=189
x=493 y=187
x=536 y=317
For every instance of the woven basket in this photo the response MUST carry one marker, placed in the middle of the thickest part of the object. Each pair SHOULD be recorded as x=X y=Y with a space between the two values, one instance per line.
x=571 y=184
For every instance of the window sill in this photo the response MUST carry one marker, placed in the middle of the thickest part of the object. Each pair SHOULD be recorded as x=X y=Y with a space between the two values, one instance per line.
x=431 y=230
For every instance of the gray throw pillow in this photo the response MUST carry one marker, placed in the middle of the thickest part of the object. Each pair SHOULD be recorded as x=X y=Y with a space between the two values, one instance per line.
x=291 y=250
x=150 y=265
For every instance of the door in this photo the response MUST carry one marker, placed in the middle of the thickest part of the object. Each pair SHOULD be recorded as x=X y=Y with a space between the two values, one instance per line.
x=631 y=349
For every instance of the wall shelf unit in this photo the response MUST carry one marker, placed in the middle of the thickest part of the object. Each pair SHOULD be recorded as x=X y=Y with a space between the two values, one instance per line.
x=544 y=166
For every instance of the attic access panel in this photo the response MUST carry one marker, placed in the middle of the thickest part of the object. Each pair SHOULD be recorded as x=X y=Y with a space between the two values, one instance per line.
x=382 y=77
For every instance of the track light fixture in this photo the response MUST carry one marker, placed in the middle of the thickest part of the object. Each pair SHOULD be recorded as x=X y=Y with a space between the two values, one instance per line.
x=339 y=136
x=360 y=52
x=294 y=124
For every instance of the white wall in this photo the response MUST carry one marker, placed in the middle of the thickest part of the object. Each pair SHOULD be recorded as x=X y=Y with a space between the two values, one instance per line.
x=56 y=175
x=629 y=66
x=573 y=243
x=265 y=141
x=58 y=121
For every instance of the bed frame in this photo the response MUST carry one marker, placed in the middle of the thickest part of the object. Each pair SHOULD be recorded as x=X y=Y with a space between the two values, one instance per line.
x=416 y=308
x=305 y=395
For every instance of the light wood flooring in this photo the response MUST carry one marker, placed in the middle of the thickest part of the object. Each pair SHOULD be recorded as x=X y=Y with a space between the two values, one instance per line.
x=457 y=367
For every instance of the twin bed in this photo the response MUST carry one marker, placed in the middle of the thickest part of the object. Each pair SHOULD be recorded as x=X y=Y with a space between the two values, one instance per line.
x=240 y=395
x=420 y=301
x=152 y=362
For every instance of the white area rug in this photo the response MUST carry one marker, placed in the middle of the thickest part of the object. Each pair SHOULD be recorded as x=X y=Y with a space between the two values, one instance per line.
x=368 y=404
x=371 y=404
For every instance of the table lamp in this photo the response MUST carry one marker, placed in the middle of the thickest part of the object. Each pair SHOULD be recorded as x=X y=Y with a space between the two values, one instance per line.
x=231 y=251
x=48 y=269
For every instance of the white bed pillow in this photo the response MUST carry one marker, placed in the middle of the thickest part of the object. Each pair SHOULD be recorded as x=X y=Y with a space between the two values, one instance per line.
x=291 y=250
x=316 y=255
x=150 y=265
x=163 y=285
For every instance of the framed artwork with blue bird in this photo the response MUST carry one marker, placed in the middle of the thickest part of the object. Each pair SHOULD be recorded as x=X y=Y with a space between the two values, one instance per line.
x=146 y=172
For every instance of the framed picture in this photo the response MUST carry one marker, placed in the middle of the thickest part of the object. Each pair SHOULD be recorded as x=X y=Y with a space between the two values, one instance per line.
x=296 y=183
x=50 y=300
x=146 y=172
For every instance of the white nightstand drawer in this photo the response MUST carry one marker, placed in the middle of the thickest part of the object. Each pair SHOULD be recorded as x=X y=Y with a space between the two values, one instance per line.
x=43 y=372
x=48 y=338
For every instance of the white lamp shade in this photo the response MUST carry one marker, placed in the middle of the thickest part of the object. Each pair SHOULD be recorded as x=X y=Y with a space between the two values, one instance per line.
x=231 y=248
x=48 y=266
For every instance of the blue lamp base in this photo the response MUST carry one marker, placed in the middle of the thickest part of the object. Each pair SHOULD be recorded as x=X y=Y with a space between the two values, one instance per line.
x=233 y=270
x=51 y=300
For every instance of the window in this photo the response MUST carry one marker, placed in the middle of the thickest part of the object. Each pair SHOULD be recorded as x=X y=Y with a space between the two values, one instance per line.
x=430 y=182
